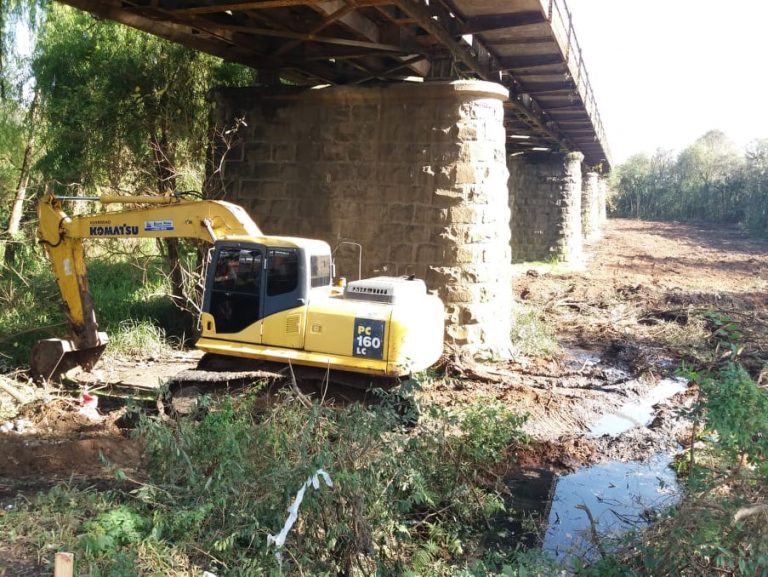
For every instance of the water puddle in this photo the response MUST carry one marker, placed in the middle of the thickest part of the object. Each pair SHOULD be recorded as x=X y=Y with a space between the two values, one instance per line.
x=640 y=413
x=574 y=516
x=578 y=357
x=528 y=502
x=619 y=497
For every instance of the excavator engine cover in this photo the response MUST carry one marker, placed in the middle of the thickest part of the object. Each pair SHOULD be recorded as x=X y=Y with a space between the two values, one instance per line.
x=52 y=358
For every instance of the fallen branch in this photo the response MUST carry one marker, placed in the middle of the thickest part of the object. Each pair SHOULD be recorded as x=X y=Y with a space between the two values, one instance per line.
x=594 y=535
x=746 y=512
x=295 y=386
x=458 y=365
x=13 y=392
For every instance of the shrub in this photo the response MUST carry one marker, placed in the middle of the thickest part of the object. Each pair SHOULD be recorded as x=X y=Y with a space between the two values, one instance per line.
x=404 y=499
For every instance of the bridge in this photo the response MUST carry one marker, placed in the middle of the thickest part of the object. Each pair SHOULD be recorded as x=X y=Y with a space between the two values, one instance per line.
x=528 y=46
x=449 y=138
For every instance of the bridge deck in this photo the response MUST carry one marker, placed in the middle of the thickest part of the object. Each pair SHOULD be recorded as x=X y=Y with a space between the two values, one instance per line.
x=529 y=46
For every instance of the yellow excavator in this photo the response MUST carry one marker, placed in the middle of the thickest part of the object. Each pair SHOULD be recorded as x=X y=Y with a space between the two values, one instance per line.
x=268 y=298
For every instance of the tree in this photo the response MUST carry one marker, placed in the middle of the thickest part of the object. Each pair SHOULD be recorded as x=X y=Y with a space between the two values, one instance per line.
x=706 y=181
x=18 y=119
x=13 y=14
x=632 y=184
x=756 y=187
x=125 y=110
x=705 y=168
x=22 y=183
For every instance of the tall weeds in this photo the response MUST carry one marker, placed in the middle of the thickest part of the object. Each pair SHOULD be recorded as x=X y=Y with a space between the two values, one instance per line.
x=405 y=500
x=129 y=295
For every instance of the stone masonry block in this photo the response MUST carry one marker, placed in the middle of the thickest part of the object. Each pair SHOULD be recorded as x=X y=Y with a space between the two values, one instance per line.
x=401 y=213
x=402 y=253
x=284 y=152
x=429 y=253
x=415 y=173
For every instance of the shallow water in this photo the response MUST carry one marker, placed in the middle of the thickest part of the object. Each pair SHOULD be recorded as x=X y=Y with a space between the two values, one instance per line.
x=619 y=497
x=639 y=413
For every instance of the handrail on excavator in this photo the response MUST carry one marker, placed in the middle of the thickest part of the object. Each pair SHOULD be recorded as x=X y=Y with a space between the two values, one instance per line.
x=115 y=199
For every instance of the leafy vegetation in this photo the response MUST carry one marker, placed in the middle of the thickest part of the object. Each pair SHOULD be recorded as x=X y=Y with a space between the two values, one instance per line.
x=708 y=181
x=130 y=295
x=96 y=106
x=718 y=528
x=404 y=501
x=147 y=97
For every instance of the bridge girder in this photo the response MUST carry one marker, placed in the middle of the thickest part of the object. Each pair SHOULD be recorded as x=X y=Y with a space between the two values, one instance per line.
x=528 y=46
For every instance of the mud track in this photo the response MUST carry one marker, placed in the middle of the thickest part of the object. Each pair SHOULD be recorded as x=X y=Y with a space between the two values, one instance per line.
x=650 y=297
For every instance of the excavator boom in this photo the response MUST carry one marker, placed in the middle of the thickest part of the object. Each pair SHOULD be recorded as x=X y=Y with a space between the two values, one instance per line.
x=62 y=236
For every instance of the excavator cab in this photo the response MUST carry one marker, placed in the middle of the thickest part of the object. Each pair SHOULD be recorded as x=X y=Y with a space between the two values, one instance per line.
x=248 y=282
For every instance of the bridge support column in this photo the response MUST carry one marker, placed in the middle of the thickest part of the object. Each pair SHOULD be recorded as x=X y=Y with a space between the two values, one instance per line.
x=602 y=202
x=415 y=173
x=591 y=221
x=545 y=200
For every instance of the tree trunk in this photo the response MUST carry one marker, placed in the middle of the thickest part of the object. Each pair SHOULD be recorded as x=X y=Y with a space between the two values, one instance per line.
x=2 y=50
x=173 y=254
x=166 y=184
x=17 y=210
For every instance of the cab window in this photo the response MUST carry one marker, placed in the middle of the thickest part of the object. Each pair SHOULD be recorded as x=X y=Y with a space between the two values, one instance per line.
x=235 y=298
x=320 y=266
x=238 y=270
x=282 y=271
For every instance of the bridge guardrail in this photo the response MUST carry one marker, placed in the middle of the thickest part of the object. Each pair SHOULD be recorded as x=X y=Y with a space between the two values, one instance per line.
x=561 y=22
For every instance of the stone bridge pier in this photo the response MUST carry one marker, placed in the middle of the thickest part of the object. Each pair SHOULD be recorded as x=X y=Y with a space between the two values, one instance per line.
x=557 y=204
x=590 y=207
x=414 y=173
x=417 y=178
x=545 y=198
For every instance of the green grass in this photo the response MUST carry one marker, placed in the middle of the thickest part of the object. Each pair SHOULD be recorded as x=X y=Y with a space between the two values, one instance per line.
x=138 y=338
x=553 y=266
x=129 y=295
x=404 y=501
x=531 y=334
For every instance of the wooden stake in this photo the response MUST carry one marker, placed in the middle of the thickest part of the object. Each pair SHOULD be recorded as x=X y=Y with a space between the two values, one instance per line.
x=65 y=565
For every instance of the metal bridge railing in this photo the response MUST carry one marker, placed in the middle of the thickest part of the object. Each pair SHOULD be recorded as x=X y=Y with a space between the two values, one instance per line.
x=561 y=21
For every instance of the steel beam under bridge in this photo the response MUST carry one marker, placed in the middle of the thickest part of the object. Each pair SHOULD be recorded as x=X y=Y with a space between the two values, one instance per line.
x=529 y=46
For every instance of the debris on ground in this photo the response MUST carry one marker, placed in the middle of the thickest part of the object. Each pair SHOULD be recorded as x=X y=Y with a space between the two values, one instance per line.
x=14 y=395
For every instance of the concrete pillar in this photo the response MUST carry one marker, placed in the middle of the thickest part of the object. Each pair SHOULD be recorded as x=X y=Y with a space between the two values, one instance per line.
x=591 y=223
x=545 y=200
x=602 y=202
x=415 y=173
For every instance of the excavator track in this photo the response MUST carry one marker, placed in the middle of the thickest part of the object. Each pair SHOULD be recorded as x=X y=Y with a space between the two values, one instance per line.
x=219 y=373
x=221 y=369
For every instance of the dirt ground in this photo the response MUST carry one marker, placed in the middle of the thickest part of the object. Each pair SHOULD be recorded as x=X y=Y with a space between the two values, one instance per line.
x=646 y=299
x=650 y=297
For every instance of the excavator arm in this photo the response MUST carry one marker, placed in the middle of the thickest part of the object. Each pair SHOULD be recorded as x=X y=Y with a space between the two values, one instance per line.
x=62 y=236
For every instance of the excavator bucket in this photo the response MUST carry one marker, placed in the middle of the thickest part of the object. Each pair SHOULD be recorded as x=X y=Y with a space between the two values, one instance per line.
x=52 y=358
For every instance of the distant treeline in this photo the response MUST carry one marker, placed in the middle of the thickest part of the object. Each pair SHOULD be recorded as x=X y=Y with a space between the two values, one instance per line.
x=711 y=180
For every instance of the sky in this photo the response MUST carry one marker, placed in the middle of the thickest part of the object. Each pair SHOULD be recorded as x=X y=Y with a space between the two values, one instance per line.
x=665 y=72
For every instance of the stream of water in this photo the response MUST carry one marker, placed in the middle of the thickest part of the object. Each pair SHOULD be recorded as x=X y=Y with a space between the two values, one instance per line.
x=619 y=496
x=639 y=413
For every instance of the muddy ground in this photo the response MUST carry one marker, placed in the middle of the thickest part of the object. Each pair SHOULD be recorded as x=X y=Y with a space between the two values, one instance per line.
x=648 y=298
